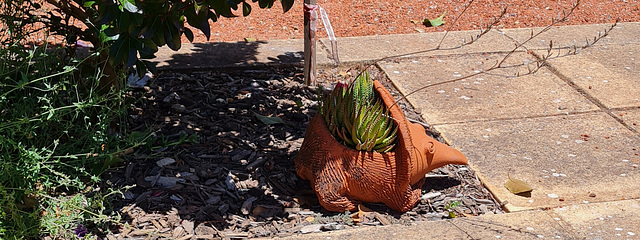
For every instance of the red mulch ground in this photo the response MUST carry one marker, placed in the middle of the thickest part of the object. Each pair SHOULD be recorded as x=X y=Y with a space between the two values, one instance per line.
x=371 y=17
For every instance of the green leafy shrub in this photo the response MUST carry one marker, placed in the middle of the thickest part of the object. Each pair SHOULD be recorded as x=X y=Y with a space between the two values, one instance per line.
x=131 y=30
x=56 y=136
x=358 y=118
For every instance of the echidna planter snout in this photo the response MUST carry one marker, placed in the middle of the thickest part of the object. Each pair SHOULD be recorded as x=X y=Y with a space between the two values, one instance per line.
x=342 y=177
x=432 y=154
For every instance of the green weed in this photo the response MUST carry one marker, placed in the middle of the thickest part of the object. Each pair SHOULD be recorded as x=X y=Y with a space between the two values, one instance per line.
x=451 y=208
x=57 y=134
x=344 y=218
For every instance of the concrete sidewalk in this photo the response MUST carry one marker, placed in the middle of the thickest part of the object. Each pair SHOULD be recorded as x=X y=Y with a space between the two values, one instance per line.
x=571 y=130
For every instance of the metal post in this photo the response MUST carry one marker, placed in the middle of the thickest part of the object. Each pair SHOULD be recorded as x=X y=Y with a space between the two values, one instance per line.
x=309 y=48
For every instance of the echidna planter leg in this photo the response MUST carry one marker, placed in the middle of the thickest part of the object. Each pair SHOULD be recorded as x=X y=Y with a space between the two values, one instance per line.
x=333 y=188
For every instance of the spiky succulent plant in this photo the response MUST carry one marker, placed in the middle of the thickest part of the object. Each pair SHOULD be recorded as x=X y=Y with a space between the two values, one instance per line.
x=358 y=118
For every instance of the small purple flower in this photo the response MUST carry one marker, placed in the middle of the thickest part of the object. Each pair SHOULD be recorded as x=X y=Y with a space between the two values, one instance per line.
x=81 y=230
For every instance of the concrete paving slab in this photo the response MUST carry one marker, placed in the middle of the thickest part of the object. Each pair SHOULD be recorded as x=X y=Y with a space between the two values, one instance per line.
x=482 y=97
x=566 y=159
x=609 y=73
x=568 y=36
x=630 y=117
x=521 y=225
x=369 y=48
x=232 y=54
x=607 y=220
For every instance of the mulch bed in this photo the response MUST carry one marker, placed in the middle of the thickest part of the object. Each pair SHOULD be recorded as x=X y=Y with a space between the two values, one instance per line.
x=238 y=180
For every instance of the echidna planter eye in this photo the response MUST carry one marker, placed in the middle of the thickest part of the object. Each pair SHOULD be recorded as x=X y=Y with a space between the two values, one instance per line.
x=342 y=176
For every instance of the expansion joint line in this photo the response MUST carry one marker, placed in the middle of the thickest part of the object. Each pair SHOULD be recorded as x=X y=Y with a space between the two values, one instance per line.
x=584 y=93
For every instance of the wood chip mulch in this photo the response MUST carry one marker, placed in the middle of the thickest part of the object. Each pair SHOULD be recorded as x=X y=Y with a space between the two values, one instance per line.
x=216 y=171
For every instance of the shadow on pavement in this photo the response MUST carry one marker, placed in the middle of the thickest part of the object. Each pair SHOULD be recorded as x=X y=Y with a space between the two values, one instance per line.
x=228 y=54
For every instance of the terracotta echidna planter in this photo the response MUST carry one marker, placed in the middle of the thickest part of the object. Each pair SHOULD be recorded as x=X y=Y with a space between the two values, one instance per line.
x=342 y=177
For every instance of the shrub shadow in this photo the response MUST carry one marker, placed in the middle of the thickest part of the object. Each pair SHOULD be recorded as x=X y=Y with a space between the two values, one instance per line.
x=217 y=55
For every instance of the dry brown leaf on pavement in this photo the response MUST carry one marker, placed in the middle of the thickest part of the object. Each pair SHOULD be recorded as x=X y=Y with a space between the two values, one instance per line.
x=517 y=186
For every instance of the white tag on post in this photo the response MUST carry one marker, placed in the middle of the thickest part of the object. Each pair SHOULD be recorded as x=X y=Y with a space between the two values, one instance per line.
x=311 y=10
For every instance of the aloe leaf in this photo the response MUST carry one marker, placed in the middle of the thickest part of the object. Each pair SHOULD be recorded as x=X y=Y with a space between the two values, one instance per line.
x=366 y=133
x=388 y=127
x=368 y=87
x=340 y=112
x=360 y=146
x=392 y=136
x=359 y=123
x=378 y=119
x=340 y=134
x=385 y=149
x=379 y=130
x=348 y=125
x=390 y=140
x=357 y=117
x=356 y=91
x=374 y=127
x=331 y=124
x=364 y=121
x=347 y=139
x=386 y=116
x=383 y=145
x=370 y=145
x=382 y=129
x=365 y=88
x=354 y=130
x=384 y=138
x=335 y=112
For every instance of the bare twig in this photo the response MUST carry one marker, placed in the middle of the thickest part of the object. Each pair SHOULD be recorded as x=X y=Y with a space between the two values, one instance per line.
x=554 y=21
x=532 y=66
x=539 y=63
x=542 y=60
x=487 y=29
x=456 y=20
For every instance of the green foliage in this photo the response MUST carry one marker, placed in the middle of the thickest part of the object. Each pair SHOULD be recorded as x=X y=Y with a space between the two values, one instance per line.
x=58 y=217
x=138 y=28
x=59 y=128
x=451 y=208
x=47 y=117
x=344 y=218
x=56 y=136
x=63 y=216
x=132 y=30
x=155 y=142
x=358 y=118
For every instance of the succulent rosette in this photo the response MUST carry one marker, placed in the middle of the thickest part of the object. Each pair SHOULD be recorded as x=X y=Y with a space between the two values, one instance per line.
x=358 y=118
